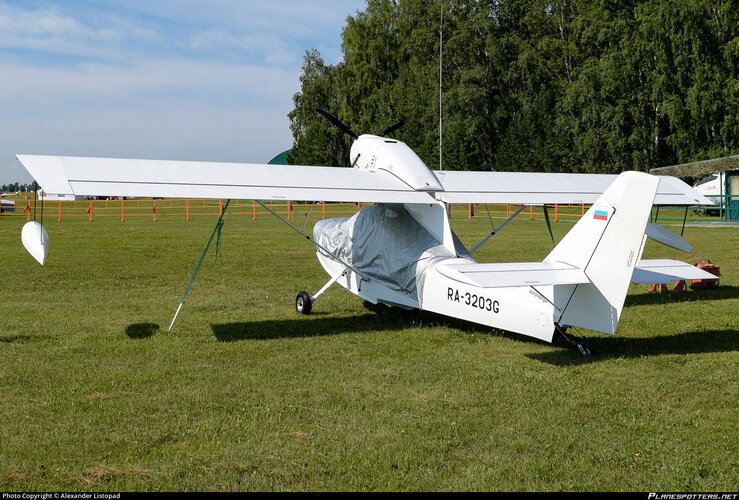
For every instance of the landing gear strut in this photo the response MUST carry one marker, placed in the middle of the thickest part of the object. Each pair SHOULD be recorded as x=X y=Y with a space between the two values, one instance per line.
x=304 y=302
x=579 y=342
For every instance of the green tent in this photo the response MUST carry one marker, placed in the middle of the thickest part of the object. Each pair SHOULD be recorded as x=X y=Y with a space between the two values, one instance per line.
x=280 y=159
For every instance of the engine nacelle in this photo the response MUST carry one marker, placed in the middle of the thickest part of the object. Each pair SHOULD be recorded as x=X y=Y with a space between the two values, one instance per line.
x=372 y=152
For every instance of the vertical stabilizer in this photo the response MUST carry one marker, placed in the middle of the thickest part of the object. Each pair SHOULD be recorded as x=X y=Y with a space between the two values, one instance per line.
x=606 y=244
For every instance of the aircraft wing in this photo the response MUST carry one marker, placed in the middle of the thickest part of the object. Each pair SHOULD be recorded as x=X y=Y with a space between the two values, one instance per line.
x=503 y=275
x=192 y=179
x=531 y=188
x=656 y=271
x=84 y=176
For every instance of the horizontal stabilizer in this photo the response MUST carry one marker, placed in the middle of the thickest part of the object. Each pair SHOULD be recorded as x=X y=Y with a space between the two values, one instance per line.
x=667 y=237
x=503 y=275
x=657 y=271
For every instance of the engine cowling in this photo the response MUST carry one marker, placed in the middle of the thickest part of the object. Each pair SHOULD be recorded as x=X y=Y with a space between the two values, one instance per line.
x=372 y=152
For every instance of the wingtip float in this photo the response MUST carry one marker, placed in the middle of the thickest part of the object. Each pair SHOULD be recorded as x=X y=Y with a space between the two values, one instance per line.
x=36 y=241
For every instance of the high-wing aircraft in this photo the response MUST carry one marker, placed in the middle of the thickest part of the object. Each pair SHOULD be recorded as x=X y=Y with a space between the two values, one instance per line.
x=401 y=251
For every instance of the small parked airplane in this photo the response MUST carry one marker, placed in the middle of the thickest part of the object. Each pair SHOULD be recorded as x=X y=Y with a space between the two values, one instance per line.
x=402 y=252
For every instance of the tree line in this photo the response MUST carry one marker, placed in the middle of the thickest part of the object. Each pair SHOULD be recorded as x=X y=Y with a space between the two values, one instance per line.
x=597 y=86
x=15 y=187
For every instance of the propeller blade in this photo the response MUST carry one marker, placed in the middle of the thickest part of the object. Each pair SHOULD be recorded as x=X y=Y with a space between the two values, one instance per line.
x=395 y=127
x=336 y=122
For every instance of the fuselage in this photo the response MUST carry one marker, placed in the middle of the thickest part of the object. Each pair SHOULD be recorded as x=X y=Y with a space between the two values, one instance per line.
x=398 y=263
x=401 y=253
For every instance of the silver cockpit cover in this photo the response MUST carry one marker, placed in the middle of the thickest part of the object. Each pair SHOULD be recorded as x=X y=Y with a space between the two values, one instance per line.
x=386 y=243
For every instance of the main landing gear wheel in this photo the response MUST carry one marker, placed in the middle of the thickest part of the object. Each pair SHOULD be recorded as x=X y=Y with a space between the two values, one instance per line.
x=303 y=303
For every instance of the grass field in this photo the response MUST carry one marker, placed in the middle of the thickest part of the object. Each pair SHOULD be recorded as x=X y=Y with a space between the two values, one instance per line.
x=245 y=394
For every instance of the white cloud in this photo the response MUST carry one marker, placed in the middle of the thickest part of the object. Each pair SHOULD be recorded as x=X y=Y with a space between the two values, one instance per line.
x=50 y=31
x=269 y=47
x=98 y=79
x=272 y=33
x=19 y=22
x=309 y=18
x=178 y=79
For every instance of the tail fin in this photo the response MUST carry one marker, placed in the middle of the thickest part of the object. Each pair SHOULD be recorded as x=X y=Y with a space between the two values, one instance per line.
x=606 y=244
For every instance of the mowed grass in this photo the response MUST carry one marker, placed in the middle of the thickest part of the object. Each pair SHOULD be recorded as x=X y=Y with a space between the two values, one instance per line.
x=246 y=394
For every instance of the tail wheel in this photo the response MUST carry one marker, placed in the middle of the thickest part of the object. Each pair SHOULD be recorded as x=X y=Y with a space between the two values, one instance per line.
x=303 y=303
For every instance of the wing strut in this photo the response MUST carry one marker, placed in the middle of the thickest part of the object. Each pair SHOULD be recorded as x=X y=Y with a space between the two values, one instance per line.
x=318 y=245
x=219 y=224
x=493 y=233
x=549 y=224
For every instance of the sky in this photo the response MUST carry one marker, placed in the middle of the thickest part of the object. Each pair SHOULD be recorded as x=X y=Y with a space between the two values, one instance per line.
x=208 y=80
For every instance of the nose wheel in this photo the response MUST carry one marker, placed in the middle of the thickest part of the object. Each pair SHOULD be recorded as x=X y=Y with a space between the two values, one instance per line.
x=303 y=303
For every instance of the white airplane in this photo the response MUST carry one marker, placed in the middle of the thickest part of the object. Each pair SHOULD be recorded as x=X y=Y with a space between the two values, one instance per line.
x=714 y=187
x=402 y=252
x=7 y=206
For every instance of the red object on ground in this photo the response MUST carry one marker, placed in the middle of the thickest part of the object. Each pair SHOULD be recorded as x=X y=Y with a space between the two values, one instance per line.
x=662 y=288
x=709 y=267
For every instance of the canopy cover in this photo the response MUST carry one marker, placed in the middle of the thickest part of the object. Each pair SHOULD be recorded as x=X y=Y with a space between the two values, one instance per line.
x=385 y=243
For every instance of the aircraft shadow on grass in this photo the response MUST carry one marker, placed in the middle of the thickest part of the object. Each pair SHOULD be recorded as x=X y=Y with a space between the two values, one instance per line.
x=142 y=330
x=9 y=339
x=383 y=318
x=379 y=317
x=304 y=327
x=605 y=348
x=657 y=298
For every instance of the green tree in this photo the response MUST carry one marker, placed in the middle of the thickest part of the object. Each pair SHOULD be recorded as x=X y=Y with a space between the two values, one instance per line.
x=532 y=85
x=316 y=141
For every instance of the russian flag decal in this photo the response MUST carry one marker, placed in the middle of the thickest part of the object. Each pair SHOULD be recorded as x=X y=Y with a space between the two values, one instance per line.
x=601 y=215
